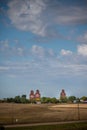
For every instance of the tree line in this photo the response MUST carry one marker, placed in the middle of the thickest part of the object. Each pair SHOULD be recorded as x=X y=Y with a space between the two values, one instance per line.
x=23 y=99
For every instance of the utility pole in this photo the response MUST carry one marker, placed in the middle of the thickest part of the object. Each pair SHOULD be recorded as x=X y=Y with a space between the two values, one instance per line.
x=78 y=109
x=12 y=113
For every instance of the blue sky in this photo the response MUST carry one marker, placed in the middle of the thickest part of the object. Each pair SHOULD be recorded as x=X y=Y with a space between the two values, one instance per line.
x=43 y=45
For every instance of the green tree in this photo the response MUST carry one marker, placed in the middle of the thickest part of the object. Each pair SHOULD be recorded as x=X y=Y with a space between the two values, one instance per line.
x=23 y=99
x=54 y=100
x=10 y=100
x=45 y=100
x=84 y=98
x=17 y=99
x=63 y=100
x=49 y=100
x=71 y=98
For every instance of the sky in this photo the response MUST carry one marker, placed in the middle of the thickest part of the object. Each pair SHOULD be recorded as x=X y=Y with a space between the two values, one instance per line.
x=43 y=45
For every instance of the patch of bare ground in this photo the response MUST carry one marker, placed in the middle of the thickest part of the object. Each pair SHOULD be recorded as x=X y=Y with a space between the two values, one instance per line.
x=35 y=113
x=69 y=106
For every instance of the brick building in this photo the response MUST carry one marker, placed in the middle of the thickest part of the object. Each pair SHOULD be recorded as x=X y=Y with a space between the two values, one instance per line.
x=35 y=96
x=62 y=94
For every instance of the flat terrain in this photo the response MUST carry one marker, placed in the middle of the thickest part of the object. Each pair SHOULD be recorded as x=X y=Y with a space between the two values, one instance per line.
x=69 y=126
x=11 y=113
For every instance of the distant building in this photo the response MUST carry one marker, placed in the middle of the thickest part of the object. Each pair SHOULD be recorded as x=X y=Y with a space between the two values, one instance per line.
x=62 y=94
x=31 y=96
x=35 y=97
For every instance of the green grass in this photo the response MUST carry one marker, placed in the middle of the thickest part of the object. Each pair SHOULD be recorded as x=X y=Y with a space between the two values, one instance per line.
x=73 y=126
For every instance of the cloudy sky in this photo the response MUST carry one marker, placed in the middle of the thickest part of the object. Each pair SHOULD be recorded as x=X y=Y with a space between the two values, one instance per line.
x=43 y=45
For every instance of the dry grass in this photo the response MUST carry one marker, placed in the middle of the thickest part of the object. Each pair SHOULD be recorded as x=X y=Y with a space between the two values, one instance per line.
x=32 y=113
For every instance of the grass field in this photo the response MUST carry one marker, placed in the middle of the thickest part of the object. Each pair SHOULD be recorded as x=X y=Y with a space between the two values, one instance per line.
x=72 y=126
x=11 y=113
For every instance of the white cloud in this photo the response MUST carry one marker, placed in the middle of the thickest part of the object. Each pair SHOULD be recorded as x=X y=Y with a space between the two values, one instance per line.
x=20 y=51
x=67 y=56
x=82 y=50
x=42 y=70
x=25 y=15
x=47 y=73
x=12 y=76
x=42 y=52
x=41 y=16
x=7 y=50
x=65 y=52
x=51 y=52
x=37 y=50
x=4 y=68
x=72 y=15
x=17 y=50
x=4 y=44
x=83 y=38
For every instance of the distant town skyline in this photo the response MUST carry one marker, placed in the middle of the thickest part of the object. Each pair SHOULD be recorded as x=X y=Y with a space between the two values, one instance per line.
x=43 y=45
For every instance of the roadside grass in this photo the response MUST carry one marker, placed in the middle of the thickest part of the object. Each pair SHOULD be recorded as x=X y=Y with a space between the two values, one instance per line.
x=71 y=126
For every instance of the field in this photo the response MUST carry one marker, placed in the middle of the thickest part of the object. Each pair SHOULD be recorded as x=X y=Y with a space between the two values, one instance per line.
x=11 y=113
x=72 y=126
